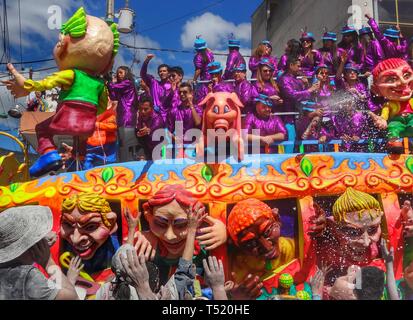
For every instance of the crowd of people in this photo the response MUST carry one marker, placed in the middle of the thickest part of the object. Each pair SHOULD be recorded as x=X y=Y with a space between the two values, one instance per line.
x=308 y=94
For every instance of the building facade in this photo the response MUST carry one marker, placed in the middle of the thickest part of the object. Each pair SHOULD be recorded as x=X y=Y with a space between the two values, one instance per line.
x=282 y=20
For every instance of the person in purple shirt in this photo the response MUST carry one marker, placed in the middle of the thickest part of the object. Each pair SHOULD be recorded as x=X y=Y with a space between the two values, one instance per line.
x=184 y=117
x=350 y=44
x=372 y=50
x=148 y=122
x=264 y=50
x=310 y=57
x=123 y=90
x=244 y=89
x=266 y=84
x=330 y=54
x=293 y=48
x=234 y=58
x=389 y=40
x=217 y=84
x=202 y=59
x=172 y=100
x=271 y=128
x=158 y=89
x=293 y=91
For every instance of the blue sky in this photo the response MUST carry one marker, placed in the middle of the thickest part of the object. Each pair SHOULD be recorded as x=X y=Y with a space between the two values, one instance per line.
x=214 y=23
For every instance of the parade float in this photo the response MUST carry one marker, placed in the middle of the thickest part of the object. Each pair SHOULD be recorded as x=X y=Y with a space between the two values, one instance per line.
x=256 y=197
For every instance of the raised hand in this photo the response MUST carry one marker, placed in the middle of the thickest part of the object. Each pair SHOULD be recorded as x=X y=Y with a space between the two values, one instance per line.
x=318 y=221
x=388 y=256
x=130 y=219
x=214 y=273
x=247 y=289
x=196 y=215
x=16 y=85
x=214 y=235
x=144 y=246
x=75 y=267
x=149 y=57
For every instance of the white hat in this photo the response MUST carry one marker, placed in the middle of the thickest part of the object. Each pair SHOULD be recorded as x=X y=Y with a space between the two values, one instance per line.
x=21 y=228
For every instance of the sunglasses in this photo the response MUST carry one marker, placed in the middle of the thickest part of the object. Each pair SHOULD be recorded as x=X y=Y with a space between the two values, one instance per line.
x=267 y=71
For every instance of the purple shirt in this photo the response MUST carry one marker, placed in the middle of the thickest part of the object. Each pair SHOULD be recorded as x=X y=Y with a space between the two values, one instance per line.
x=267 y=127
x=292 y=91
x=355 y=124
x=391 y=49
x=254 y=64
x=125 y=93
x=203 y=66
x=308 y=65
x=158 y=90
x=154 y=122
x=282 y=64
x=267 y=89
x=234 y=59
x=355 y=55
x=182 y=114
x=246 y=93
x=222 y=86
x=328 y=59
x=373 y=56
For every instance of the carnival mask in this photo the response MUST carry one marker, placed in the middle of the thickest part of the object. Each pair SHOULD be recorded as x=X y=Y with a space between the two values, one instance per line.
x=87 y=231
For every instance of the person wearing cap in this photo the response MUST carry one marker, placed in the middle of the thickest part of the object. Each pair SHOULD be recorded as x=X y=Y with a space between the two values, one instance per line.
x=234 y=58
x=264 y=50
x=265 y=83
x=373 y=52
x=243 y=88
x=330 y=53
x=293 y=91
x=202 y=59
x=217 y=83
x=392 y=41
x=350 y=44
x=158 y=88
x=176 y=74
x=269 y=128
x=310 y=57
x=25 y=240
x=293 y=48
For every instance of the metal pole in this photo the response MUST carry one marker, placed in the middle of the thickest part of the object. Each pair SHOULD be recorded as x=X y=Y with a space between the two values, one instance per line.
x=110 y=10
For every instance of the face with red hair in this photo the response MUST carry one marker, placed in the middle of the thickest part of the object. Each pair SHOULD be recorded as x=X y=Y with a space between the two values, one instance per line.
x=166 y=213
x=393 y=80
x=255 y=228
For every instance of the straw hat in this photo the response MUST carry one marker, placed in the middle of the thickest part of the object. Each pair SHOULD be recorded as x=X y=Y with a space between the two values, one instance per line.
x=21 y=228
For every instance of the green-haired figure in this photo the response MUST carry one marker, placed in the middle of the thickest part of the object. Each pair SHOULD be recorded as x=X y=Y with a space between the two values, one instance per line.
x=85 y=50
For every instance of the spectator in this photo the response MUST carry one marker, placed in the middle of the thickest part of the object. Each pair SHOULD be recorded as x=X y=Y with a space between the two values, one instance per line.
x=26 y=238
x=264 y=50
x=37 y=103
x=310 y=58
x=351 y=45
x=372 y=50
x=293 y=49
x=330 y=53
x=266 y=84
x=234 y=59
x=244 y=89
x=148 y=122
x=202 y=59
x=123 y=90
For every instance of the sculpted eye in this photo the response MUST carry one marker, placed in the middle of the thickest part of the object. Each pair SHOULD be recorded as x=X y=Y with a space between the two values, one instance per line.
x=391 y=79
x=91 y=227
x=226 y=109
x=407 y=75
x=216 y=110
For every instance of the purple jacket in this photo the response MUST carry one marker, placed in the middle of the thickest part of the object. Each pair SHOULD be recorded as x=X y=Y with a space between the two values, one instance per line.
x=352 y=125
x=246 y=93
x=361 y=88
x=391 y=49
x=373 y=56
x=125 y=93
x=155 y=122
x=182 y=114
x=268 y=89
x=267 y=127
x=234 y=59
x=282 y=64
x=308 y=65
x=202 y=92
x=158 y=90
x=328 y=59
x=292 y=91
x=255 y=63
x=355 y=55
x=203 y=66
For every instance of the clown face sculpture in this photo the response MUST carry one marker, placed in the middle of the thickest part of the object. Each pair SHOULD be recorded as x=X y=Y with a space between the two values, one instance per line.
x=87 y=223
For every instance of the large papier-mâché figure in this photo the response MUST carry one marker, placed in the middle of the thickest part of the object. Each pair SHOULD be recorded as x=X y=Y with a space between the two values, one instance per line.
x=85 y=50
x=393 y=80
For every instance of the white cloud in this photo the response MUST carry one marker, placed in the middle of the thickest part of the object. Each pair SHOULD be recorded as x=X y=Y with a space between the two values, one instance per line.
x=215 y=30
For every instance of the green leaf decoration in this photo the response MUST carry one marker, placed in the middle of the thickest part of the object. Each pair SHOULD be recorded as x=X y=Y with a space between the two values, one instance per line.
x=107 y=174
x=76 y=25
x=409 y=164
x=114 y=28
x=306 y=166
x=14 y=186
x=207 y=173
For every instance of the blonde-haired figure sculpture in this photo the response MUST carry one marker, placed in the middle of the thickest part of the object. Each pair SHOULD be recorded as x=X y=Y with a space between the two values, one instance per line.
x=85 y=51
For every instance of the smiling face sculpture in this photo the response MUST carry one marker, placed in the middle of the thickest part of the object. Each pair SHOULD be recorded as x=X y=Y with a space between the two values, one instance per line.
x=87 y=222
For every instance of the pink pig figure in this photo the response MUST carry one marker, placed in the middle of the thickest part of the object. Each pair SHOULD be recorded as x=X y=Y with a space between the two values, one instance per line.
x=221 y=119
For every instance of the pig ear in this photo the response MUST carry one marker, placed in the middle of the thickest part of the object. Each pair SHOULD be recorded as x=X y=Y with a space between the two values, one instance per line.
x=207 y=99
x=235 y=100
